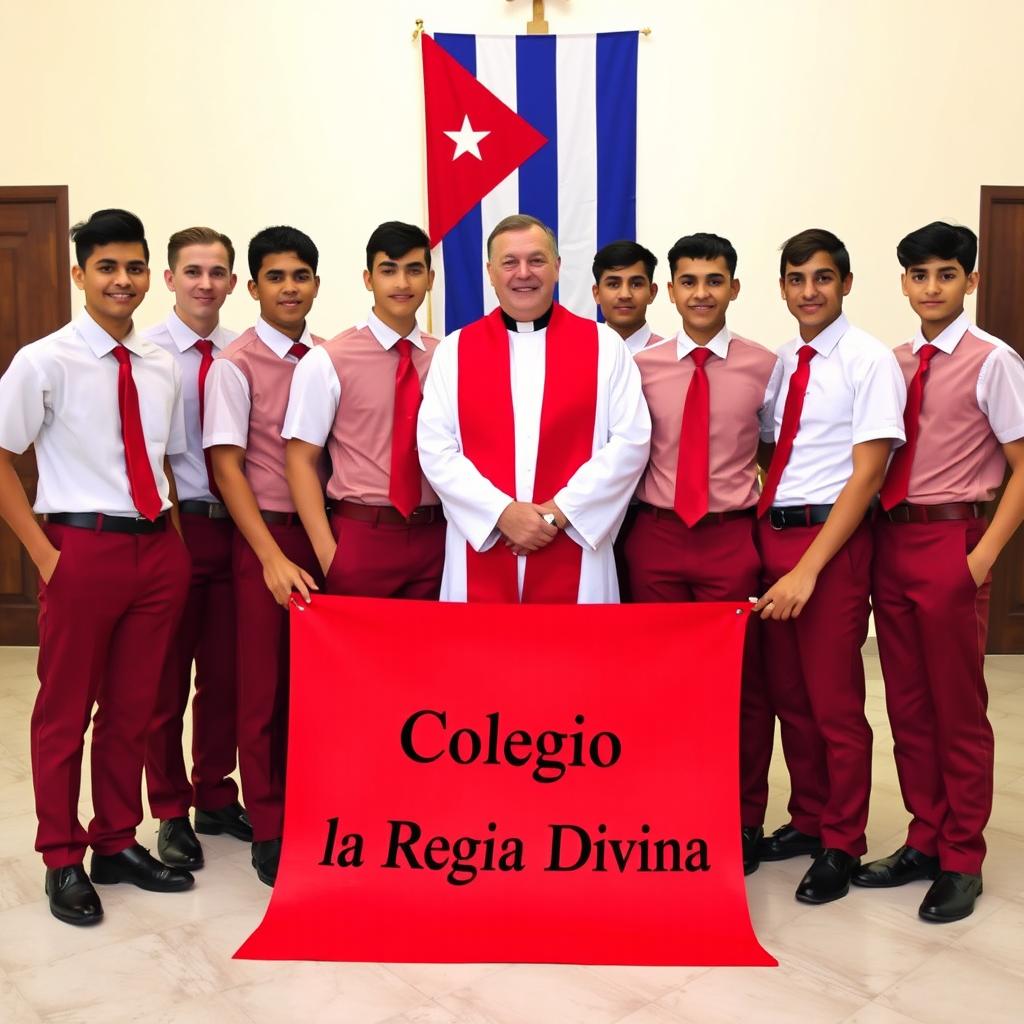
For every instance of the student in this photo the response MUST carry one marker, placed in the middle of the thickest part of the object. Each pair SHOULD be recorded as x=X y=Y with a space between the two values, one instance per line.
x=624 y=287
x=246 y=396
x=934 y=552
x=359 y=394
x=102 y=407
x=200 y=274
x=711 y=394
x=839 y=409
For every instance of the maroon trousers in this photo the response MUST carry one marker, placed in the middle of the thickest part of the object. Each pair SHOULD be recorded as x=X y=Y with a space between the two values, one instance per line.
x=105 y=623
x=206 y=635
x=670 y=561
x=262 y=658
x=932 y=623
x=816 y=683
x=386 y=559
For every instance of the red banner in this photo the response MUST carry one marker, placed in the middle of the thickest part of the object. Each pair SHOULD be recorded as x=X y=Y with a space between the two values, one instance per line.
x=545 y=783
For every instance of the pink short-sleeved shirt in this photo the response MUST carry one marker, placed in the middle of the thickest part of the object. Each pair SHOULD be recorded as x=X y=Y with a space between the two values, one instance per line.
x=743 y=379
x=973 y=403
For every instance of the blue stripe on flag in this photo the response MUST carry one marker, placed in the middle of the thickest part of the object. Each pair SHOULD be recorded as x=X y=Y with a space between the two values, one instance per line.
x=536 y=102
x=616 y=136
x=462 y=246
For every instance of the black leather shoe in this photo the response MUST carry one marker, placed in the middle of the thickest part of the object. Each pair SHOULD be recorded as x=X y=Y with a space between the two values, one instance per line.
x=73 y=900
x=137 y=867
x=905 y=865
x=266 y=855
x=828 y=878
x=788 y=842
x=751 y=853
x=231 y=819
x=951 y=897
x=177 y=846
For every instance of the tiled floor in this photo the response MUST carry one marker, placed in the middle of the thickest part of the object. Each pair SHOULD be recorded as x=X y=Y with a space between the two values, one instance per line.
x=865 y=959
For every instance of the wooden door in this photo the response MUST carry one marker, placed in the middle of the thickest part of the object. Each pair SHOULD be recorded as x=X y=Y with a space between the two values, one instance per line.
x=1001 y=312
x=35 y=299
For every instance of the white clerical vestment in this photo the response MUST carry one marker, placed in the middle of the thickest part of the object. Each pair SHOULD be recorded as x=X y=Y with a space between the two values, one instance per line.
x=596 y=496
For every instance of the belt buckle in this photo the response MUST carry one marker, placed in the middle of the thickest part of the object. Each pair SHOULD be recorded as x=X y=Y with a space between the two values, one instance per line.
x=771 y=520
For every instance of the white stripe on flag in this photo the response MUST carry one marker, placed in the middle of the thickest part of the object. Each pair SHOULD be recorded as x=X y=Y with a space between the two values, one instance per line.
x=576 y=63
x=496 y=69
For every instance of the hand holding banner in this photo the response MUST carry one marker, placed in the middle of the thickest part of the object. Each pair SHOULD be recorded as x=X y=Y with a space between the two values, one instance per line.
x=547 y=783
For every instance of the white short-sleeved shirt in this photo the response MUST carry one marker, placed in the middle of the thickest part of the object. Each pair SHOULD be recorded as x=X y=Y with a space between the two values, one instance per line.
x=60 y=394
x=177 y=338
x=228 y=402
x=856 y=393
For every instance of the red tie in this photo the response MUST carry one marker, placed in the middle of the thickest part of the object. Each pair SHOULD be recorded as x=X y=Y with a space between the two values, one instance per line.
x=691 y=499
x=205 y=347
x=790 y=423
x=897 y=480
x=141 y=484
x=404 y=491
x=297 y=350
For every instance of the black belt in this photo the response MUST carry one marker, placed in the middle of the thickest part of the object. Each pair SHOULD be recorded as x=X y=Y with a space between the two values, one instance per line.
x=798 y=515
x=281 y=518
x=706 y=520
x=206 y=509
x=944 y=513
x=106 y=524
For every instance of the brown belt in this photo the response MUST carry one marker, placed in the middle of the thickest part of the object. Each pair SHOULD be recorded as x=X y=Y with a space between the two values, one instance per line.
x=709 y=519
x=388 y=514
x=907 y=513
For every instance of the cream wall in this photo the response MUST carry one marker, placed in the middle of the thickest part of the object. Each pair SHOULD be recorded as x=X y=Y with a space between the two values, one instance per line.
x=758 y=119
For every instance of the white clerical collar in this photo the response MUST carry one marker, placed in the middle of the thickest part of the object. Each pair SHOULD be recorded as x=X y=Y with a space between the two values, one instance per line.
x=388 y=336
x=527 y=326
x=948 y=340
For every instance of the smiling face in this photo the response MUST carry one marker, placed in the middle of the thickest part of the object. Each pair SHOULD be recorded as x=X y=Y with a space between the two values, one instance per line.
x=814 y=293
x=624 y=293
x=523 y=270
x=937 y=289
x=701 y=291
x=285 y=288
x=115 y=280
x=201 y=280
x=399 y=287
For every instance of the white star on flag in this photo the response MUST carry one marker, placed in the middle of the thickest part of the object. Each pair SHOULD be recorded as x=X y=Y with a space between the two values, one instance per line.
x=466 y=140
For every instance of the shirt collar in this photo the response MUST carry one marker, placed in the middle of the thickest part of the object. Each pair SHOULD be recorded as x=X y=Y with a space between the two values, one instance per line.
x=280 y=344
x=948 y=340
x=825 y=342
x=101 y=343
x=184 y=337
x=527 y=326
x=639 y=338
x=718 y=345
x=388 y=337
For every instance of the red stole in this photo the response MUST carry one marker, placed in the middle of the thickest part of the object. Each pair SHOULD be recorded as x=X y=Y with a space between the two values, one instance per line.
x=487 y=425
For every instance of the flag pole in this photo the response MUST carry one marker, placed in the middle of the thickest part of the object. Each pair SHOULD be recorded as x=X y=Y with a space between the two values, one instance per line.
x=417 y=32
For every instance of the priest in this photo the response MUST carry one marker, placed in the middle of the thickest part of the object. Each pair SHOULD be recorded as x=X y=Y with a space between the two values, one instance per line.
x=534 y=432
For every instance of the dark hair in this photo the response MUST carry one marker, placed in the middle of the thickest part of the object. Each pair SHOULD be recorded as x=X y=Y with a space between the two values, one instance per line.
x=801 y=247
x=281 y=239
x=702 y=246
x=942 y=241
x=198 y=236
x=396 y=239
x=616 y=255
x=104 y=227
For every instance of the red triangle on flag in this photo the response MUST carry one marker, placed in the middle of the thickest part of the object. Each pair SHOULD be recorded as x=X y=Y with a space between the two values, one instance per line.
x=491 y=139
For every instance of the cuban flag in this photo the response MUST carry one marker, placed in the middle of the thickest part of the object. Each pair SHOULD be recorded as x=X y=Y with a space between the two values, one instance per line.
x=544 y=125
